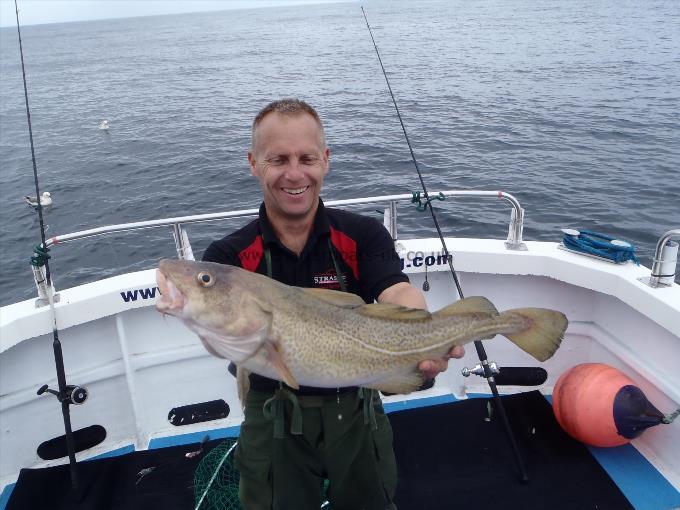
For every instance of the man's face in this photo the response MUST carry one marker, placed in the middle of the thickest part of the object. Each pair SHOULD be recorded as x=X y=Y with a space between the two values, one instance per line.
x=290 y=160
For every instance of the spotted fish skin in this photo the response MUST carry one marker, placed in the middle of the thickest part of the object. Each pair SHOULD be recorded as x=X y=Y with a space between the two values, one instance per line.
x=325 y=338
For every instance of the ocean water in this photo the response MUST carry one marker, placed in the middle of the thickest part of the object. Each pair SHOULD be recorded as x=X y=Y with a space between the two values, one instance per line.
x=573 y=107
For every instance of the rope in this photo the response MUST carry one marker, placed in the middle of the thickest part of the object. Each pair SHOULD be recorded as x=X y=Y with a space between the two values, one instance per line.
x=600 y=245
x=273 y=409
x=40 y=257
x=216 y=479
x=669 y=418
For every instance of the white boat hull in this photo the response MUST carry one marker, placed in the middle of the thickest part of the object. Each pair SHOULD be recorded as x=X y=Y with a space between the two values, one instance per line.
x=138 y=365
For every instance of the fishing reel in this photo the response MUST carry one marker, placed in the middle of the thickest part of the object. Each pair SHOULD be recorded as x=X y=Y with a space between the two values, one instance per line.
x=75 y=395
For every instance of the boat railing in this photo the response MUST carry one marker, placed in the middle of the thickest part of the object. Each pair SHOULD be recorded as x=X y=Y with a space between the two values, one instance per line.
x=183 y=245
x=513 y=242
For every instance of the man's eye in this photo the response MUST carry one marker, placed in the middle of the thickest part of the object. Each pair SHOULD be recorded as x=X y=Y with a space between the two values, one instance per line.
x=276 y=161
x=309 y=160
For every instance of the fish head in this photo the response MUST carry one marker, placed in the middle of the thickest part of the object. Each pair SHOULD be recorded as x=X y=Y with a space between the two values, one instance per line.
x=215 y=300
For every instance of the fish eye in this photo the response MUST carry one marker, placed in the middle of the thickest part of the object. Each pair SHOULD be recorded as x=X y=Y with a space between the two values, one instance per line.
x=205 y=279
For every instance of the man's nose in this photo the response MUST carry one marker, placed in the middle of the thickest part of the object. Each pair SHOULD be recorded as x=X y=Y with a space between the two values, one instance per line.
x=294 y=170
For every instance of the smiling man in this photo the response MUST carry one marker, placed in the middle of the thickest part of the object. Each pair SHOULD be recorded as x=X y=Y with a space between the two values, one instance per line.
x=293 y=440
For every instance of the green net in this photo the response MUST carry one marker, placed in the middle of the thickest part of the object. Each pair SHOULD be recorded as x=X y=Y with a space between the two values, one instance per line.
x=216 y=479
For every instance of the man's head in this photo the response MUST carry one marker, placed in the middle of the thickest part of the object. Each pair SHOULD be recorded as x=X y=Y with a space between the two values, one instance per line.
x=288 y=107
x=289 y=157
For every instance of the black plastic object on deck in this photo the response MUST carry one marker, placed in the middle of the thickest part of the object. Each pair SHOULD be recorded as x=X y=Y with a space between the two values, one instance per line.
x=197 y=413
x=521 y=376
x=83 y=439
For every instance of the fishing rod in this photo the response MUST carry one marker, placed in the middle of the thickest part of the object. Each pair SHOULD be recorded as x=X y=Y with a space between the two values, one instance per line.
x=67 y=395
x=479 y=347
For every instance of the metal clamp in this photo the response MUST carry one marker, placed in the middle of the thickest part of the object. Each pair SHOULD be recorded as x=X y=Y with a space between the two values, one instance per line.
x=479 y=370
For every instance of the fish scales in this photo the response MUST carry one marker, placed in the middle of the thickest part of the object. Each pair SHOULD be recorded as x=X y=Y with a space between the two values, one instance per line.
x=354 y=350
x=324 y=338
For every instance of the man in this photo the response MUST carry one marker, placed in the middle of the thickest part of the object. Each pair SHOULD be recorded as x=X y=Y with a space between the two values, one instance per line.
x=291 y=441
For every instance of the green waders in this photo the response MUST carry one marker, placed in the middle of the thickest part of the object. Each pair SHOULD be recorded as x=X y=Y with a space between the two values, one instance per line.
x=290 y=444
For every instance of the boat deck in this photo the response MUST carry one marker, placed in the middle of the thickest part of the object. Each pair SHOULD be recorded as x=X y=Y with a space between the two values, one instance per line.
x=450 y=455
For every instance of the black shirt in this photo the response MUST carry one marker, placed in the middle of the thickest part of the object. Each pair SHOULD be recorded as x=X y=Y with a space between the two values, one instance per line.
x=362 y=247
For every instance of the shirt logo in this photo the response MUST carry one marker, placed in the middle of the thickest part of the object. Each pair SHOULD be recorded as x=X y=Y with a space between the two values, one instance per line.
x=328 y=280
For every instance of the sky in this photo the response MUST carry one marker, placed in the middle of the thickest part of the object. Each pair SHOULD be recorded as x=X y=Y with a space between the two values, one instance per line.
x=32 y=12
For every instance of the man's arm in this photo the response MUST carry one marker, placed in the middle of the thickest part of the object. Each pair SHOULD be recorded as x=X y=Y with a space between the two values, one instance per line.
x=405 y=294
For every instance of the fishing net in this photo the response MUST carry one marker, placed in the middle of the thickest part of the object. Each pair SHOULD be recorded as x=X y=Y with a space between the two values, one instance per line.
x=216 y=480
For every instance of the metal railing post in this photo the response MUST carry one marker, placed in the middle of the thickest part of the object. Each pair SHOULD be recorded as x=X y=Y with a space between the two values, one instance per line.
x=182 y=244
x=390 y=219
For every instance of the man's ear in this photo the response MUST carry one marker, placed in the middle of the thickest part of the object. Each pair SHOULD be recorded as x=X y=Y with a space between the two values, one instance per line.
x=327 y=160
x=252 y=163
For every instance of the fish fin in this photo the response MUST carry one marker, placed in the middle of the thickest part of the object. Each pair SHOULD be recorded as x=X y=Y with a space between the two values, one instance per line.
x=394 y=312
x=335 y=297
x=542 y=330
x=401 y=384
x=275 y=358
x=473 y=304
x=242 y=384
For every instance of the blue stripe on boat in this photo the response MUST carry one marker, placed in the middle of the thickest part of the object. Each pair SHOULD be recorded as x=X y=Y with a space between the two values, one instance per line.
x=637 y=478
x=194 y=437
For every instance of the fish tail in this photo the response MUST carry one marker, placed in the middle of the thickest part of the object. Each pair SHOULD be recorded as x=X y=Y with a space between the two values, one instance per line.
x=537 y=331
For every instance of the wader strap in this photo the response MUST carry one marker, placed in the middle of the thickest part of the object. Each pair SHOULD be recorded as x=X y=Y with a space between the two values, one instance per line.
x=367 y=396
x=274 y=409
x=338 y=273
x=268 y=260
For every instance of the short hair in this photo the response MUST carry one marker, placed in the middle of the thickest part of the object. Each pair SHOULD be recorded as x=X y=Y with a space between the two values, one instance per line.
x=286 y=106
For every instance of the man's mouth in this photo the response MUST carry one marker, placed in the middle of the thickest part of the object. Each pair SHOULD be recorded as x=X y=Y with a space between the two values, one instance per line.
x=295 y=191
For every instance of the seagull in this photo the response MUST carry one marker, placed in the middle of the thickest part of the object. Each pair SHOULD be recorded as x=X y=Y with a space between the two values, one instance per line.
x=45 y=199
x=104 y=124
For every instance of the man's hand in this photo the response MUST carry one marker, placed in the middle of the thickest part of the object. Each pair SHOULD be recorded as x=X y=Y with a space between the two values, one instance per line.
x=405 y=294
x=430 y=368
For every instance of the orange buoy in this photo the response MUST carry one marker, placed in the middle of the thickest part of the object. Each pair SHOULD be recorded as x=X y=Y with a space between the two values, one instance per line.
x=600 y=406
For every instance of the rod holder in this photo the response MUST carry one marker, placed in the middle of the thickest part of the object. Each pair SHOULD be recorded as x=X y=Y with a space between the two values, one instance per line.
x=515 y=230
x=40 y=278
x=665 y=261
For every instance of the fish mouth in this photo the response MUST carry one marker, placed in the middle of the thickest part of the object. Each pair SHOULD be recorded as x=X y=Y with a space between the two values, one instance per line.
x=172 y=301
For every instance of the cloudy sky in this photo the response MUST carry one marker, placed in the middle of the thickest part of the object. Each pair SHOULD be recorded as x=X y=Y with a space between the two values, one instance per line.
x=57 y=11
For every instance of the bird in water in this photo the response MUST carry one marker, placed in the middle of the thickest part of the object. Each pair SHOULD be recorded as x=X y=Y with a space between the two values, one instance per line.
x=45 y=199
x=104 y=125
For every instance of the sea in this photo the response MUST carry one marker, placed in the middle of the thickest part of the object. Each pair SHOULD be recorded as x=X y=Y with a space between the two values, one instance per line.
x=572 y=107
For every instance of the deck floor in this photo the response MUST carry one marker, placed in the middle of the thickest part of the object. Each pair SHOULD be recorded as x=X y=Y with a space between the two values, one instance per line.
x=450 y=455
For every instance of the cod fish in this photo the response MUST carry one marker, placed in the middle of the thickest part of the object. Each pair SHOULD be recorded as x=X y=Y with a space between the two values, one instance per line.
x=326 y=338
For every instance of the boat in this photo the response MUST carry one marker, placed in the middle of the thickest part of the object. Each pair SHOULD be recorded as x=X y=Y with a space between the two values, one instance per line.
x=145 y=383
